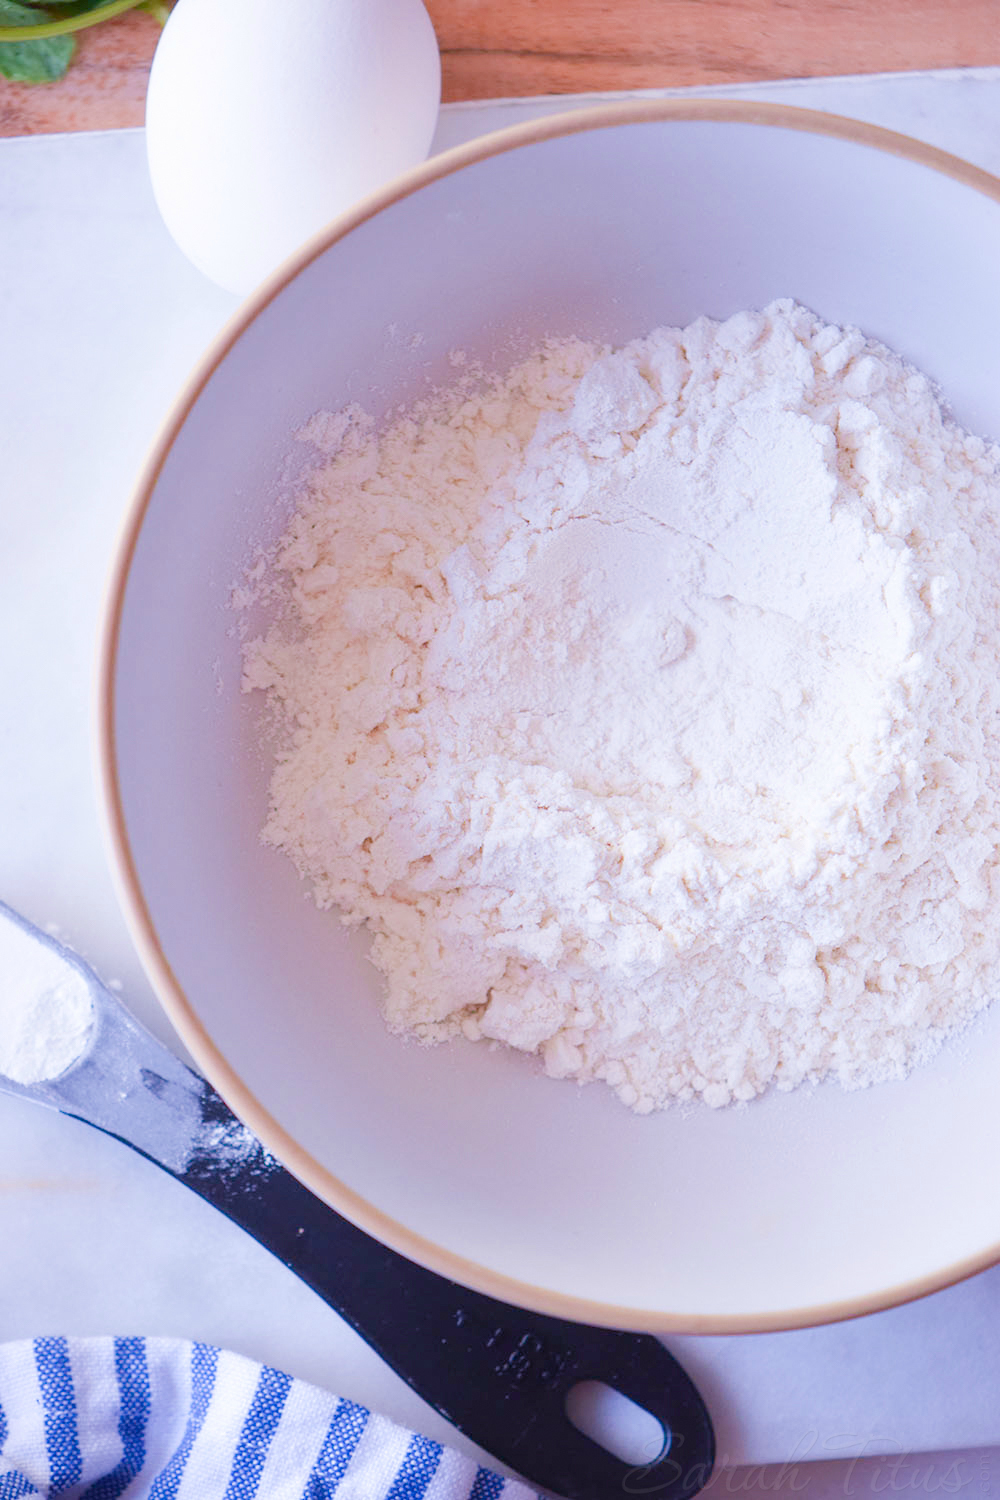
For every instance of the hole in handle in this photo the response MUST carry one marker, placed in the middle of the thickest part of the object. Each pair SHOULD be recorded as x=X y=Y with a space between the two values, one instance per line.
x=616 y=1423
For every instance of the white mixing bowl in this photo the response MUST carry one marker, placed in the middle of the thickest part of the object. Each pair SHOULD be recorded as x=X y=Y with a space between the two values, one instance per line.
x=798 y=1208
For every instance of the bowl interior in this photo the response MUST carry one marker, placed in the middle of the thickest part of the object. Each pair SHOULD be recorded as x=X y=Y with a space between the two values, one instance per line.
x=797 y=1207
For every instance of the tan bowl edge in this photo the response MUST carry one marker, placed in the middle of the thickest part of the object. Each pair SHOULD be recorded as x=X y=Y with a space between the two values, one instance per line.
x=190 y=1029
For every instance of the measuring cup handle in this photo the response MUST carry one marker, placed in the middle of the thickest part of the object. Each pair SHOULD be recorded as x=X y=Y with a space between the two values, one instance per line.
x=498 y=1373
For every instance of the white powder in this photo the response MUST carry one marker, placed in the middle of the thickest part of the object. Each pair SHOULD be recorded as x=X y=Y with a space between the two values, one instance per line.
x=647 y=709
x=46 y=1013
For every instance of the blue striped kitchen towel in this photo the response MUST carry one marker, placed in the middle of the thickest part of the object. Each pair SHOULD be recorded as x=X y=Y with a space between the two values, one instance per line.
x=171 y=1420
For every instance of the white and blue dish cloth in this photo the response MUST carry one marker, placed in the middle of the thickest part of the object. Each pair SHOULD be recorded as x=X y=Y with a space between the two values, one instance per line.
x=164 y=1419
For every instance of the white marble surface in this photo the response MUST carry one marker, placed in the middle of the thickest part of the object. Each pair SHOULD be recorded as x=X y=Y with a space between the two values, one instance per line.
x=100 y=320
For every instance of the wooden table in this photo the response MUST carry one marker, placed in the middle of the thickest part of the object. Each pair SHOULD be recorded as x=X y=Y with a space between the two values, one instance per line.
x=492 y=48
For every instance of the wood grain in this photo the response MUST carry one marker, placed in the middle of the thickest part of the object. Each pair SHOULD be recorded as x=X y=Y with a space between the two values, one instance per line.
x=568 y=46
x=105 y=87
x=494 y=48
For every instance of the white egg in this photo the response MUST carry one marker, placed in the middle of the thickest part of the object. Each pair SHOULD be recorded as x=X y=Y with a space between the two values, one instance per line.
x=265 y=121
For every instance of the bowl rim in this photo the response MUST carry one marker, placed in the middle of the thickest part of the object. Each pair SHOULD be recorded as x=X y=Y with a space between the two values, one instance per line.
x=139 y=919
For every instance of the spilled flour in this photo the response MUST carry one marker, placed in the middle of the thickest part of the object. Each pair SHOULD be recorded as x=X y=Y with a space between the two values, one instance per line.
x=646 y=707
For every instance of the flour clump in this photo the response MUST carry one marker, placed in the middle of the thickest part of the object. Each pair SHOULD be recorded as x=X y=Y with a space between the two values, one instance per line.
x=644 y=704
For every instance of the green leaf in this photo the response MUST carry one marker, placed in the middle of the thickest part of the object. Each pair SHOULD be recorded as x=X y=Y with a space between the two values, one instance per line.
x=40 y=61
x=76 y=16
x=14 y=13
x=48 y=47
x=68 y=7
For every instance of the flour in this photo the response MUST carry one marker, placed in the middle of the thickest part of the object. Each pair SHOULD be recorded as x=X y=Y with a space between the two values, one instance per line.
x=646 y=708
x=46 y=1013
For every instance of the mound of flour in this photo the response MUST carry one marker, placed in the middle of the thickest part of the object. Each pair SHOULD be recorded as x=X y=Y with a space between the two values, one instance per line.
x=647 y=709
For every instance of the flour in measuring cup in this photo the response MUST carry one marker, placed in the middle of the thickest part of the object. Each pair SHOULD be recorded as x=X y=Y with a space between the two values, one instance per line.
x=645 y=707
x=46 y=1013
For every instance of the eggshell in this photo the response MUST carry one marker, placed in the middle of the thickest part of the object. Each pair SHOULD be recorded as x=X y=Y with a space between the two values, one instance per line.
x=265 y=121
